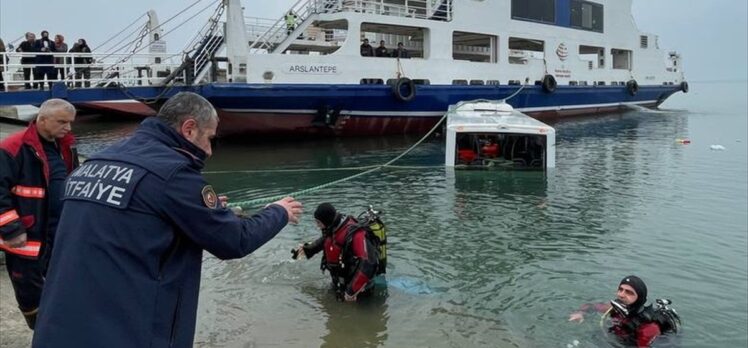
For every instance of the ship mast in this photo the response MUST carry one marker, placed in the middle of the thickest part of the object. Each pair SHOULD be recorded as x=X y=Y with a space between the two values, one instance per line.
x=236 y=41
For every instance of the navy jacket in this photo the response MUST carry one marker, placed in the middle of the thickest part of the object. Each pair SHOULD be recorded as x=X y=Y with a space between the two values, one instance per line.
x=125 y=270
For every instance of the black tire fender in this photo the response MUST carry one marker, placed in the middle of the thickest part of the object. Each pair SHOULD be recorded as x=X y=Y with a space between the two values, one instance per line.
x=632 y=87
x=397 y=89
x=549 y=83
x=684 y=86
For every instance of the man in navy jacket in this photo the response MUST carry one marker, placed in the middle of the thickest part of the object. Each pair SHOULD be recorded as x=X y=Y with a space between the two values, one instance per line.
x=125 y=270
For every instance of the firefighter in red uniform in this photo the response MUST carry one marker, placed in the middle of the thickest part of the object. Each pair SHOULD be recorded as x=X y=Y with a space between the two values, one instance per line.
x=33 y=165
x=350 y=257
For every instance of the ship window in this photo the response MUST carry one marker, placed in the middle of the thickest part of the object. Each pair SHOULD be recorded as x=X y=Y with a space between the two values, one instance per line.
x=600 y=83
x=583 y=83
x=622 y=59
x=414 y=40
x=514 y=82
x=644 y=39
x=587 y=15
x=521 y=50
x=493 y=82
x=421 y=81
x=474 y=47
x=372 y=82
x=543 y=11
x=477 y=83
x=595 y=56
x=460 y=82
x=573 y=83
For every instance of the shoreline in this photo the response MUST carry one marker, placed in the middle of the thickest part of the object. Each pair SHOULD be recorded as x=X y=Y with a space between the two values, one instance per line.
x=13 y=330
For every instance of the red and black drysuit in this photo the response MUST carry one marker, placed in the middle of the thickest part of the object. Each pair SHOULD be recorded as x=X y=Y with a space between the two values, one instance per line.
x=349 y=256
x=636 y=330
x=30 y=191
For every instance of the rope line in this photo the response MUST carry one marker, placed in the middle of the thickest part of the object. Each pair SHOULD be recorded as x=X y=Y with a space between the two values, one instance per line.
x=313 y=170
x=264 y=200
x=371 y=169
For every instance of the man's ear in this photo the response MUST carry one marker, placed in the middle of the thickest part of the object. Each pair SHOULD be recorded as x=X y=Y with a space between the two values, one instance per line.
x=189 y=128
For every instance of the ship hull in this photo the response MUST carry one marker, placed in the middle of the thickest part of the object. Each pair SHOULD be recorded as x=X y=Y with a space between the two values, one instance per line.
x=361 y=110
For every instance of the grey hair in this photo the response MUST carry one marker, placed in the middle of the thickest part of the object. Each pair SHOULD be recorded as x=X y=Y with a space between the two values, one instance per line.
x=184 y=106
x=51 y=106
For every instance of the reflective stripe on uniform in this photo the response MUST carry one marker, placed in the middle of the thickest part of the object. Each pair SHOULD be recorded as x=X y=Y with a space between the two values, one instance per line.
x=8 y=217
x=31 y=249
x=28 y=191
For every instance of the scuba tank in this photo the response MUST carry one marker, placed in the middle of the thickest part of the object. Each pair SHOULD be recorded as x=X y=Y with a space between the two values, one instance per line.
x=376 y=232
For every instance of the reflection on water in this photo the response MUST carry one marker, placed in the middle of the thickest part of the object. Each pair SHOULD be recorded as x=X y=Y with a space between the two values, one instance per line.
x=365 y=324
x=505 y=255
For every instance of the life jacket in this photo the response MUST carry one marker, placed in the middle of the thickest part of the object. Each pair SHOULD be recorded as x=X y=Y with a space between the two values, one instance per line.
x=335 y=245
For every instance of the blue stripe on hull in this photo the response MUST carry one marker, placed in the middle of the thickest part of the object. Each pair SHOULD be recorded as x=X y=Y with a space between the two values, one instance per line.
x=291 y=109
x=378 y=98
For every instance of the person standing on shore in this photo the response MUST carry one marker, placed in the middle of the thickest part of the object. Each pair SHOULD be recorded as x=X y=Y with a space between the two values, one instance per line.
x=33 y=165
x=125 y=271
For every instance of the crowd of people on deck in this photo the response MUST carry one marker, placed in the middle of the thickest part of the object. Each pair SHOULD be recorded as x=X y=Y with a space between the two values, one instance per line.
x=48 y=60
x=368 y=51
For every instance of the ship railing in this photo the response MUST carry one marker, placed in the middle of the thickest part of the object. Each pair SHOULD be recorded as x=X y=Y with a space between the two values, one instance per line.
x=79 y=70
x=283 y=29
x=256 y=26
x=200 y=51
x=441 y=10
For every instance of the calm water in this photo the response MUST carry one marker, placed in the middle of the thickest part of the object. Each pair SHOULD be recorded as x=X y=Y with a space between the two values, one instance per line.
x=499 y=259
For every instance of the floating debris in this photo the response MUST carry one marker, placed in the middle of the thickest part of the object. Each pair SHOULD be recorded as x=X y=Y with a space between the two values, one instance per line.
x=717 y=147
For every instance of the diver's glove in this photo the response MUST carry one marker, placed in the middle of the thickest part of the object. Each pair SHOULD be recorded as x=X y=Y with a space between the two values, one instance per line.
x=295 y=253
x=301 y=250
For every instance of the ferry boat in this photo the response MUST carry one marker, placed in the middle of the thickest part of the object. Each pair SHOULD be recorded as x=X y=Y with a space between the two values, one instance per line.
x=491 y=134
x=311 y=75
x=307 y=73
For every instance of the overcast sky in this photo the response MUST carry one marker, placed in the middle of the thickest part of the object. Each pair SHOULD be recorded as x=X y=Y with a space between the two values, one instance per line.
x=711 y=34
